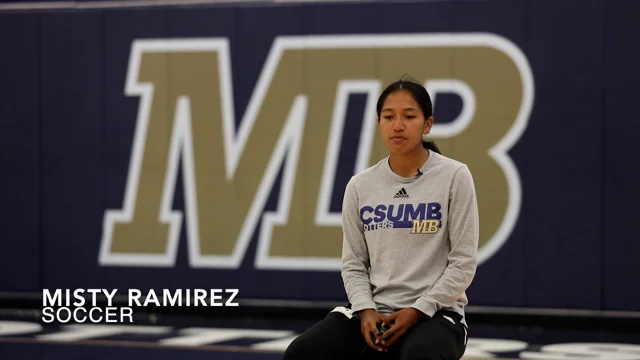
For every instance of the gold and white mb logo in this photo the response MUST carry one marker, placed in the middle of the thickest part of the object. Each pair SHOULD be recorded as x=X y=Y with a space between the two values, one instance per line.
x=296 y=115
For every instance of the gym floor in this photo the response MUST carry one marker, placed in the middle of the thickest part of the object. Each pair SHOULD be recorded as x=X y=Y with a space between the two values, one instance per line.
x=195 y=337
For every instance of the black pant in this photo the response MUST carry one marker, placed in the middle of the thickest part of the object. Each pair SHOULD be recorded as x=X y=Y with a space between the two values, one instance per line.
x=338 y=337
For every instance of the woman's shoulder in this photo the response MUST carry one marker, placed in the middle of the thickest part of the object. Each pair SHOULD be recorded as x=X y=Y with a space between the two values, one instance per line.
x=372 y=173
x=452 y=171
x=443 y=162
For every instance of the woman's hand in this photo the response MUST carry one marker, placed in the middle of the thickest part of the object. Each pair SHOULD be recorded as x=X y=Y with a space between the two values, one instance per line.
x=398 y=324
x=369 y=320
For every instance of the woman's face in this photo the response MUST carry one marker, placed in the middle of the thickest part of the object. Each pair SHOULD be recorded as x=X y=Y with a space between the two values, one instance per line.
x=402 y=123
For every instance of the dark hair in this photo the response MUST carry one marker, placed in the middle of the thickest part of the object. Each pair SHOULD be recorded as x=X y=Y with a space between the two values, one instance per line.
x=420 y=95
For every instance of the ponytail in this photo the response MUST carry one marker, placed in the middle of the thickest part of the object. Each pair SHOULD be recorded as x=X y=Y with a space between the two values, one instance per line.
x=430 y=145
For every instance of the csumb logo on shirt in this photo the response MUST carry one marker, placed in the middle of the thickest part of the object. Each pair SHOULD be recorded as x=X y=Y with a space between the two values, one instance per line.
x=421 y=218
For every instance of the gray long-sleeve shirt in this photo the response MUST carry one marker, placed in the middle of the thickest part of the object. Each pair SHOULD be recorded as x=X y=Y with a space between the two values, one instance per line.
x=410 y=242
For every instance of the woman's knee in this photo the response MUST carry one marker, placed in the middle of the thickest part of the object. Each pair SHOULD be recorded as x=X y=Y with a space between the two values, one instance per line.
x=435 y=339
x=432 y=351
x=299 y=348
x=306 y=348
x=424 y=353
x=336 y=334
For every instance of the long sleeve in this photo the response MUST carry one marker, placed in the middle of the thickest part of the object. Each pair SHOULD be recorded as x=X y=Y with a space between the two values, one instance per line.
x=463 y=231
x=355 y=255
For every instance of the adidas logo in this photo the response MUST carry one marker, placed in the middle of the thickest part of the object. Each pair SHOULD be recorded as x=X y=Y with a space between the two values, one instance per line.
x=401 y=194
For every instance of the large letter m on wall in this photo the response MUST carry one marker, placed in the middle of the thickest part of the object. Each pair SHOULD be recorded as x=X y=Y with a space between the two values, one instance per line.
x=294 y=121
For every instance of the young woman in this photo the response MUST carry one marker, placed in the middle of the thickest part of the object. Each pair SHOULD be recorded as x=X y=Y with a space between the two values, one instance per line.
x=410 y=227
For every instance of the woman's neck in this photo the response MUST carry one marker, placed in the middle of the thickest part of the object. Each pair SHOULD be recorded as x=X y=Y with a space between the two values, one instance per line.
x=406 y=165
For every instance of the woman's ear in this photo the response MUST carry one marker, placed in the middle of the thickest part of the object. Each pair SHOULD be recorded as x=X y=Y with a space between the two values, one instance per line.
x=428 y=124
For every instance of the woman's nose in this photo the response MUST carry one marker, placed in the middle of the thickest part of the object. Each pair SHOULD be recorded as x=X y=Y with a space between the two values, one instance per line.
x=398 y=125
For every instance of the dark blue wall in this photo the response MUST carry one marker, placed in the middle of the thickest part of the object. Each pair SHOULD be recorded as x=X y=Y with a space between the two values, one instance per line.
x=66 y=129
